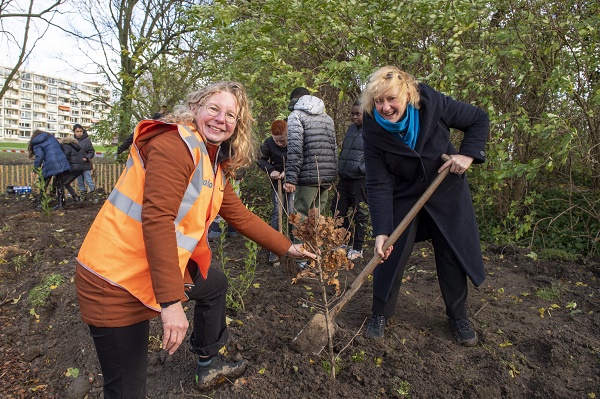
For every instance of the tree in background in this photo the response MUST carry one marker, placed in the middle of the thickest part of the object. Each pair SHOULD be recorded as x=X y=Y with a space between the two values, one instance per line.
x=136 y=38
x=533 y=65
x=36 y=19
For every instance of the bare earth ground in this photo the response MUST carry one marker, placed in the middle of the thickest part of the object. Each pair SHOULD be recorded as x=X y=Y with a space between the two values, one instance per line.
x=529 y=347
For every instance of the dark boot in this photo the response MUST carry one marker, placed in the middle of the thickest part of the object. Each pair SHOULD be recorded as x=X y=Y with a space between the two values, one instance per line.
x=217 y=372
x=60 y=197
x=60 y=202
x=76 y=198
x=376 y=327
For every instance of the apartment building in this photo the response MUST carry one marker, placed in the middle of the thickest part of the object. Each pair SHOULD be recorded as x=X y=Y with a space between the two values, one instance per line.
x=52 y=104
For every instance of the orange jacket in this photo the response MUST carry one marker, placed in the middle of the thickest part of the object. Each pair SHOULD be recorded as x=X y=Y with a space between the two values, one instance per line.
x=114 y=246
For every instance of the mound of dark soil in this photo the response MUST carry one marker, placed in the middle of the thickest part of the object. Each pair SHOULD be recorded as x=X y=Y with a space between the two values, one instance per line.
x=538 y=325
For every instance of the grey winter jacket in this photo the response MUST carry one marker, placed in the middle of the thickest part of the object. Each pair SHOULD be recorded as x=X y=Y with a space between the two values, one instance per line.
x=312 y=149
x=352 y=157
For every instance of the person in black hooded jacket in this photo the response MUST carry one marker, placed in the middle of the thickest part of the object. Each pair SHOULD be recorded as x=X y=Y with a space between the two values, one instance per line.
x=351 y=190
x=87 y=153
x=70 y=147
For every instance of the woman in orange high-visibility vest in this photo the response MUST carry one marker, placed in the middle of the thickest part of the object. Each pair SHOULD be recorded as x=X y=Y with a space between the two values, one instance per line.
x=147 y=250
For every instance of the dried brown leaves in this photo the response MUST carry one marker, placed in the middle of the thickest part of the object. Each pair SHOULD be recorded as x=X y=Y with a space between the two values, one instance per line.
x=324 y=236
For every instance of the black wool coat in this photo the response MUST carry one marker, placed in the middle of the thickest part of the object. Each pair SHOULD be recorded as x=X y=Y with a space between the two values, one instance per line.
x=398 y=175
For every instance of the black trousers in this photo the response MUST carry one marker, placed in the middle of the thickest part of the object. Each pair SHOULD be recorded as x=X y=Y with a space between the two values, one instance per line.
x=123 y=356
x=451 y=276
x=123 y=351
x=68 y=178
x=352 y=193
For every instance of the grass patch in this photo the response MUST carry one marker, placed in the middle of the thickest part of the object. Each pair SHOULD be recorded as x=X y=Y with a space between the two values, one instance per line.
x=557 y=254
x=40 y=293
x=550 y=293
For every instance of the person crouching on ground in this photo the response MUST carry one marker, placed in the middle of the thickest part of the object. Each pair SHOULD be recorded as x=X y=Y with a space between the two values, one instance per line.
x=147 y=251
x=406 y=131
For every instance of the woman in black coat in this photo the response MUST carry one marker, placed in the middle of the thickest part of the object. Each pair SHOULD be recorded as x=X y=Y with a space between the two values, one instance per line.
x=406 y=129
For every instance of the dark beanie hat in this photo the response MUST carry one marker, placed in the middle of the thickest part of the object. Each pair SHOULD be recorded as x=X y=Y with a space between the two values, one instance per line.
x=299 y=92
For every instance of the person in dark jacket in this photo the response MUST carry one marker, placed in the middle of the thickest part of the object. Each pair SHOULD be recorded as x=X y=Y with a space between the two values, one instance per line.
x=124 y=146
x=70 y=147
x=406 y=129
x=351 y=190
x=87 y=153
x=273 y=153
x=311 y=165
x=47 y=154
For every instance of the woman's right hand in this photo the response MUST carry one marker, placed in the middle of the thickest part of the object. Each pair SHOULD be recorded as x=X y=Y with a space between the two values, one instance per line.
x=175 y=326
x=298 y=251
x=378 y=249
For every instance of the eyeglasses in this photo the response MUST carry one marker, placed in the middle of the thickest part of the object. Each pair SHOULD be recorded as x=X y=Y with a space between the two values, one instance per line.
x=214 y=110
x=390 y=75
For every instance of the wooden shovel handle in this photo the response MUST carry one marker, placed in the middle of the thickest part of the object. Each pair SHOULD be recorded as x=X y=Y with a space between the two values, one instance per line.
x=280 y=205
x=360 y=279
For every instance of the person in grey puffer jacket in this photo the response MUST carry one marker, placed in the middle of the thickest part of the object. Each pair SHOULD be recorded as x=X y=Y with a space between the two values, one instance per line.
x=351 y=189
x=311 y=165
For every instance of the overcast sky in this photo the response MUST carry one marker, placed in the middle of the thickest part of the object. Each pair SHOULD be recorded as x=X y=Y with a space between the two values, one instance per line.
x=56 y=54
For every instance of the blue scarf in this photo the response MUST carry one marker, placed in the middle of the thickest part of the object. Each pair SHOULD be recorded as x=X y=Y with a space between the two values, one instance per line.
x=406 y=130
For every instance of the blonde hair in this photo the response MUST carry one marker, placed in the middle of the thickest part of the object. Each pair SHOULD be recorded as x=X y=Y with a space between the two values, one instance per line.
x=389 y=80
x=241 y=143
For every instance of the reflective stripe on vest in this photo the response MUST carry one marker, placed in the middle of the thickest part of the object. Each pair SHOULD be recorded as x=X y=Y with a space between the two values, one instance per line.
x=114 y=247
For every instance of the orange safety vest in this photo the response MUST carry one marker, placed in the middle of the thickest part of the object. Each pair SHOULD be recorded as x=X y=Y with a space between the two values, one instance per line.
x=114 y=247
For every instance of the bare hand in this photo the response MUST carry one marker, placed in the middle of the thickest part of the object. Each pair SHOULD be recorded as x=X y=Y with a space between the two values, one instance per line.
x=289 y=187
x=275 y=175
x=378 y=250
x=458 y=164
x=298 y=251
x=175 y=326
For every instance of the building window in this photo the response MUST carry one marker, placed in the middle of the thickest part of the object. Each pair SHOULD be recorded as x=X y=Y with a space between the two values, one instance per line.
x=25 y=85
x=25 y=115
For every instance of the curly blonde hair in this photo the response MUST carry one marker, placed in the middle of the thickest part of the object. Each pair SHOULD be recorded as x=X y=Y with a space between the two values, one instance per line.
x=389 y=80
x=241 y=142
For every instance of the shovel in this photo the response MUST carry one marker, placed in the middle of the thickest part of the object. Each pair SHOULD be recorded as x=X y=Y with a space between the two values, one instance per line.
x=313 y=337
x=280 y=205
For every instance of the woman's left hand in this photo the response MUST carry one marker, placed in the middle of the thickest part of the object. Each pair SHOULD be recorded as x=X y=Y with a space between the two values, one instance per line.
x=458 y=164
x=298 y=251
